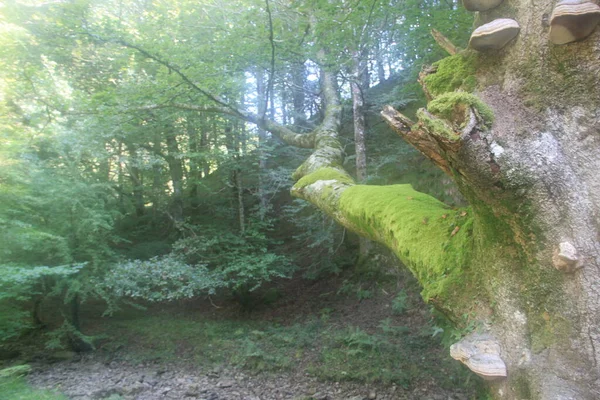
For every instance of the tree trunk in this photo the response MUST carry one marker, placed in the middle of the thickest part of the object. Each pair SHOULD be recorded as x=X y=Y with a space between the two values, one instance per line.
x=157 y=187
x=176 y=170
x=298 y=98
x=195 y=173
x=262 y=139
x=358 y=113
x=136 y=180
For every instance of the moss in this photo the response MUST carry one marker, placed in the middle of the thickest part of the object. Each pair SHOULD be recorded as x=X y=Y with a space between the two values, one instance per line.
x=449 y=104
x=521 y=387
x=564 y=73
x=454 y=72
x=436 y=126
x=547 y=330
x=324 y=174
x=434 y=241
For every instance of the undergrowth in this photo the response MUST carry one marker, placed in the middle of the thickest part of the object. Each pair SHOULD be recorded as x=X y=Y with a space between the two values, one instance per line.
x=391 y=354
x=17 y=389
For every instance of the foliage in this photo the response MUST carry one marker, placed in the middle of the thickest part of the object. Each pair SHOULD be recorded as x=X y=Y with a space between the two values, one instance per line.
x=400 y=303
x=17 y=389
x=22 y=286
x=159 y=279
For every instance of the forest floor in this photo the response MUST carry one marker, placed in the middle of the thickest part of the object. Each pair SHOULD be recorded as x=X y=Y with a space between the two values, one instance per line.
x=328 y=339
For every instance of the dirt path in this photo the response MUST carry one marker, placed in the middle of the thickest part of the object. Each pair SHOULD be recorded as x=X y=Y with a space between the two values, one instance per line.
x=91 y=378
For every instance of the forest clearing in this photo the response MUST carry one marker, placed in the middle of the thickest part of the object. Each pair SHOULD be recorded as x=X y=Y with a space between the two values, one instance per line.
x=299 y=199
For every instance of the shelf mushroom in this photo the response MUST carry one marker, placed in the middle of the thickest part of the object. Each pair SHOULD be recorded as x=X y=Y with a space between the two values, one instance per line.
x=481 y=5
x=481 y=353
x=573 y=20
x=494 y=35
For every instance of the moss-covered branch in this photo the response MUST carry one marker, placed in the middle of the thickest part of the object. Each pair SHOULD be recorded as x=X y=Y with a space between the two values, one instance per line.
x=433 y=240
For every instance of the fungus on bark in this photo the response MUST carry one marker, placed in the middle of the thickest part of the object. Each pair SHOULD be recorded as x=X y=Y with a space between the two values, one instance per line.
x=481 y=353
x=494 y=35
x=573 y=20
x=481 y=5
x=565 y=257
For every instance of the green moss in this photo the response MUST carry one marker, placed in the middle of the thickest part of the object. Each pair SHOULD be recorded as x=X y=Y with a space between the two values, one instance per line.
x=547 y=330
x=324 y=174
x=454 y=72
x=449 y=104
x=434 y=241
x=436 y=126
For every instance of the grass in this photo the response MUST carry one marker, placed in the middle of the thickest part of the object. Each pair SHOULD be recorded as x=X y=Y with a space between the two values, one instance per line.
x=17 y=389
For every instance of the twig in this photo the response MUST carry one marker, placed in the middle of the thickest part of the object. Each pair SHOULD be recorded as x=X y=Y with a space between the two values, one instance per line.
x=213 y=304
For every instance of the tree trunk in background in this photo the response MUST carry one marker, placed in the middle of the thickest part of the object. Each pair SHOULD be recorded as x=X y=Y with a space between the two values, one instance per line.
x=379 y=62
x=136 y=180
x=240 y=147
x=195 y=172
x=358 y=113
x=262 y=140
x=176 y=171
x=120 y=178
x=157 y=188
x=298 y=99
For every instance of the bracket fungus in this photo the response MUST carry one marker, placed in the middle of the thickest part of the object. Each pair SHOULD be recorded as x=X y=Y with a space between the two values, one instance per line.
x=494 y=35
x=565 y=258
x=481 y=353
x=481 y=5
x=573 y=20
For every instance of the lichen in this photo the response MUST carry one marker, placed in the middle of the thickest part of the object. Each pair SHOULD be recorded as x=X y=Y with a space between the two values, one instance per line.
x=433 y=240
x=448 y=104
x=453 y=73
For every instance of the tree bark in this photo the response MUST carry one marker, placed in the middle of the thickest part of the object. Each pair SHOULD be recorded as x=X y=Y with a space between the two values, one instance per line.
x=262 y=138
x=298 y=77
x=358 y=113
x=176 y=171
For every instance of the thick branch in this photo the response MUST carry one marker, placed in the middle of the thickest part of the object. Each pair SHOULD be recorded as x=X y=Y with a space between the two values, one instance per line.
x=433 y=240
x=419 y=138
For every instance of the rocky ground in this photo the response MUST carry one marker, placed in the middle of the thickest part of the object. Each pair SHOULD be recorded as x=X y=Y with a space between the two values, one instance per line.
x=90 y=378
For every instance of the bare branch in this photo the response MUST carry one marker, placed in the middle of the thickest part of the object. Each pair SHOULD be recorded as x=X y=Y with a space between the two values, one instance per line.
x=444 y=42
